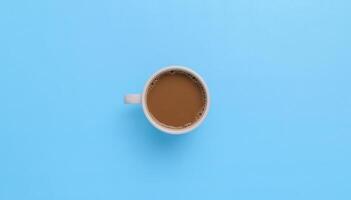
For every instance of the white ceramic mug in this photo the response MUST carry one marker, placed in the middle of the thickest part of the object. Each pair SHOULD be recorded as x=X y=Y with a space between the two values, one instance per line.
x=141 y=99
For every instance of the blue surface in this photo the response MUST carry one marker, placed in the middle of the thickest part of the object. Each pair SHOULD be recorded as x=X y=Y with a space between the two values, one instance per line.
x=279 y=73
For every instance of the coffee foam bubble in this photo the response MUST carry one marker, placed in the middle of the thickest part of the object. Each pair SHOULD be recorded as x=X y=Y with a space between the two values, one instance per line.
x=153 y=83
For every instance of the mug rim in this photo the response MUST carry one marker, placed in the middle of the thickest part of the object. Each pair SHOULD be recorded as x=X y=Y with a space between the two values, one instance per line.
x=166 y=129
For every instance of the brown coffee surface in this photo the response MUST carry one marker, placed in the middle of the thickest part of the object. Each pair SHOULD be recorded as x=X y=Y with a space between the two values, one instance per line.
x=176 y=99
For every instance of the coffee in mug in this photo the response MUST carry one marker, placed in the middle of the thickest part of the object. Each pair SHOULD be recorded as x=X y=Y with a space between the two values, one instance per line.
x=175 y=99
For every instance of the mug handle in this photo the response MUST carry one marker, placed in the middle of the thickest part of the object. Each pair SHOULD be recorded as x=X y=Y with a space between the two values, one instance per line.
x=132 y=99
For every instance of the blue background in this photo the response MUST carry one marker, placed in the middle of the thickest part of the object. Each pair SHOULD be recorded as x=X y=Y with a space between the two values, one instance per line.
x=279 y=72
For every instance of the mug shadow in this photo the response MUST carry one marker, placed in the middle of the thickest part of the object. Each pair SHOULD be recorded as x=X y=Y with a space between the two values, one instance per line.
x=149 y=140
